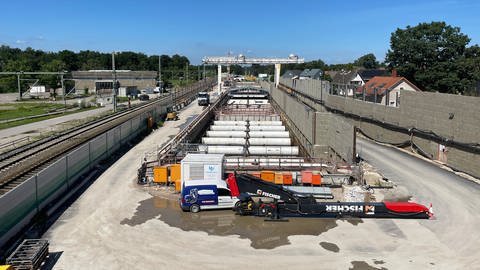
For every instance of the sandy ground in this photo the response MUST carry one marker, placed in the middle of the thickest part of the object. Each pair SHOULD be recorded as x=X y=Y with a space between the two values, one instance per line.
x=116 y=224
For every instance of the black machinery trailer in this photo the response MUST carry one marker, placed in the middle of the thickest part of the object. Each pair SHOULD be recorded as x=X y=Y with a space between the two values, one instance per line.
x=290 y=204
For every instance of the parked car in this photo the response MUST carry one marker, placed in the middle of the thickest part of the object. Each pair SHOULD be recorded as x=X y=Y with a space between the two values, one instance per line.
x=144 y=97
x=201 y=194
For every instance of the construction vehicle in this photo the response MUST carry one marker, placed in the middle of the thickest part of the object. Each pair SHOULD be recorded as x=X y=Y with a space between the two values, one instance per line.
x=287 y=203
x=171 y=115
x=203 y=99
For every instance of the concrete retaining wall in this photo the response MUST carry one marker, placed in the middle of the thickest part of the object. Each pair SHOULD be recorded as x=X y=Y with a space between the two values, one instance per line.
x=451 y=117
x=322 y=134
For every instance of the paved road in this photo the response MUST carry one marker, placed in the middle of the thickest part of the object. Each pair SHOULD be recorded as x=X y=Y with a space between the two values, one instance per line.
x=456 y=200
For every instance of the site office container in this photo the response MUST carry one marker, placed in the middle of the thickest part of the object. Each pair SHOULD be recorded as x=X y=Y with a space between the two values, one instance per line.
x=202 y=167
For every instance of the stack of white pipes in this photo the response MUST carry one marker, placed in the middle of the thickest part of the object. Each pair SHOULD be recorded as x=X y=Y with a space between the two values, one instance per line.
x=264 y=138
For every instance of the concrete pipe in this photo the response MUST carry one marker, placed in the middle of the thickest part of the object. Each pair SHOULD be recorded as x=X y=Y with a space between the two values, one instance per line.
x=226 y=134
x=225 y=149
x=223 y=141
x=269 y=134
x=238 y=102
x=265 y=160
x=229 y=128
x=269 y=141
x=229 y=123
x=273 y=150
x=266 y=123
x=267 y=128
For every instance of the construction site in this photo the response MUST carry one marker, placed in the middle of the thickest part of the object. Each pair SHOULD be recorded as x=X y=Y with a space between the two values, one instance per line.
x=234 y=181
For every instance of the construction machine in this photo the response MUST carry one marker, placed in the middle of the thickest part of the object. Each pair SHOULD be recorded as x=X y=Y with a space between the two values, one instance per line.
x=286 y=203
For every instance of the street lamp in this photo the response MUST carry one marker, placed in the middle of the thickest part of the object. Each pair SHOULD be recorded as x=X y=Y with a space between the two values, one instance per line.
x=114 y=85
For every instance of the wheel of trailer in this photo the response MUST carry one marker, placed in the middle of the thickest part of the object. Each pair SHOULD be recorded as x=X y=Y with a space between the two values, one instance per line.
x=194 y=208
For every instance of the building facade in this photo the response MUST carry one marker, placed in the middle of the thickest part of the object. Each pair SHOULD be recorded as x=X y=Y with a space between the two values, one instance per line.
x=101 y=81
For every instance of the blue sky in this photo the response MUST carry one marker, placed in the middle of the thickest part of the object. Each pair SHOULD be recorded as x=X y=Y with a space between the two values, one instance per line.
x=334 y=31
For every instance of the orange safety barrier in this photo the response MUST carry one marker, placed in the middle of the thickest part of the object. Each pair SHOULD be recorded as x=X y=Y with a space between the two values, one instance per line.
x=278 y=178
x=160 y=174
x=307 y=177
x=287 y=178
x=268 y=176
x=316 y=178
x=175 y=172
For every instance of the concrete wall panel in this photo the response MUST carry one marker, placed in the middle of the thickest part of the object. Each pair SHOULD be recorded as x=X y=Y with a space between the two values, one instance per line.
x=98 y=148
x=17 y=207
x=78 y=163
x=51 y=182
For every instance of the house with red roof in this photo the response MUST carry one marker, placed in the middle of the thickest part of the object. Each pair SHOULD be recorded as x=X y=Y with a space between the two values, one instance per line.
x=386 y=90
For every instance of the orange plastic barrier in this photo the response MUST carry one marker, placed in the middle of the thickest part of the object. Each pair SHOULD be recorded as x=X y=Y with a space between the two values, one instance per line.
x=160 y=174
x=175 y=172
x=287 y=178
x=316 y=178
x=278 y=178
x=268 y=176
x=307 y=177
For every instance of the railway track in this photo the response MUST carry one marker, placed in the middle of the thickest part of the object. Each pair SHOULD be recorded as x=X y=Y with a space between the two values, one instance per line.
x=19 y=164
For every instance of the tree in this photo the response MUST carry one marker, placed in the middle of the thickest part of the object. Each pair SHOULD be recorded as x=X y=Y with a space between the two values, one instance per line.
x=428 y=55
x=368 y=61
x=52 y=81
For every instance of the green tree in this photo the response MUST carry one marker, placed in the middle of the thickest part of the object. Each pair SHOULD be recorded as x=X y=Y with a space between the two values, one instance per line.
x=52 y=81
x=428 y=55
x=368 y=61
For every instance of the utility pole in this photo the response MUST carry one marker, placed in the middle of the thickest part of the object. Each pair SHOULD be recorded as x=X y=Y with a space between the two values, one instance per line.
x=204 y=72
x=114 y=83
x=64 y=92
x=19 y=88
x=160 y=73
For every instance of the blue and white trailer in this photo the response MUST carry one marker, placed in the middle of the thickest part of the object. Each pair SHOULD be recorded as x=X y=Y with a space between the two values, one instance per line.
x=199 y=195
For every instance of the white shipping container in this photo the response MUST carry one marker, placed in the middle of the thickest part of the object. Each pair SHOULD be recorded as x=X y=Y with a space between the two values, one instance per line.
x=202 y=167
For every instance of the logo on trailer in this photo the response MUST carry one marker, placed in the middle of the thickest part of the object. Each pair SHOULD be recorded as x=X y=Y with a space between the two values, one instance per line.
x=369 y=209
x=344 y=208
x=267 y=194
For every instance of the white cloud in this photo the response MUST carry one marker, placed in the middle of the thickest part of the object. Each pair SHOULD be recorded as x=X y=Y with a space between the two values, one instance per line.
x=20 y=41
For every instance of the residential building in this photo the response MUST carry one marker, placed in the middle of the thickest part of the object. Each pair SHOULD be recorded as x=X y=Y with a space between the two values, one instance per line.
x=313 y=74
x=291 y=74
x=386 y=90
